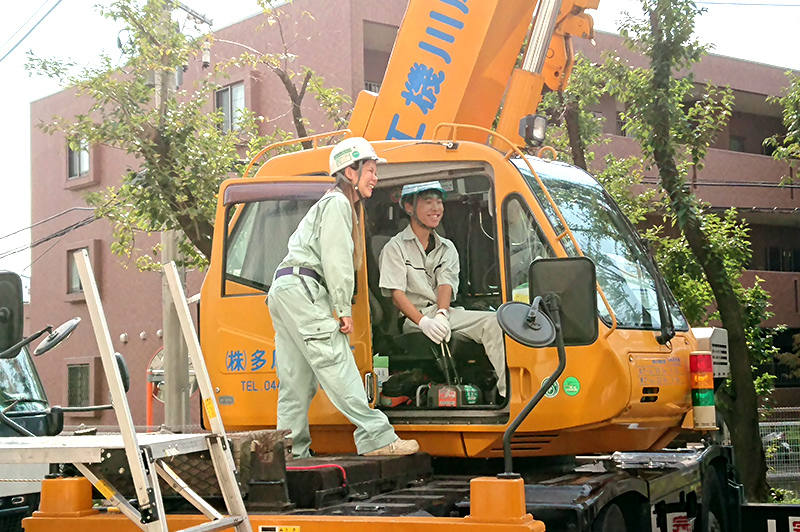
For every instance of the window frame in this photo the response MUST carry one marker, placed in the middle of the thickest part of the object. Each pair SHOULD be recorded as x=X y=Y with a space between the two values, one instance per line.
x=82 y=155
x=72 y=271
x=93 y=248
x=95 y=370
x=232 y=123
x=516 y=196
x=242 y=194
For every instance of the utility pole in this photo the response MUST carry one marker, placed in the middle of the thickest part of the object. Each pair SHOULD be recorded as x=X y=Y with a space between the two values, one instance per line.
x=177 y=414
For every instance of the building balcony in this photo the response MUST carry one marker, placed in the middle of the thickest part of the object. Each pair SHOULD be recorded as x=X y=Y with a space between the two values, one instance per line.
x=747 y=181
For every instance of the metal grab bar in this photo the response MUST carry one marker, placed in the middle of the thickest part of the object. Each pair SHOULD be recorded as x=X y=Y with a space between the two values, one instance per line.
x=313 y=138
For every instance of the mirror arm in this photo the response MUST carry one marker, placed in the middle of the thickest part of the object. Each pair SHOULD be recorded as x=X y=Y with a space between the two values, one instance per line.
x=86 y=408
x=554 y=313
x=13 y=425
x=12 y=351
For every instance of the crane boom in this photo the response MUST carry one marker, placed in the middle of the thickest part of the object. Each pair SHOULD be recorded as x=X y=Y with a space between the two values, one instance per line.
x=453 y=59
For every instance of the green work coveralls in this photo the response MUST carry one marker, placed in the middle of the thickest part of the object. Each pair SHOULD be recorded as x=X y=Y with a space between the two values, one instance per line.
x=310 y=348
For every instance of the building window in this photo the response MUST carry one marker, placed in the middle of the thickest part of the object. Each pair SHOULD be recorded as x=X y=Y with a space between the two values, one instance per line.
x=736 y=144
x=230 y=101
x=78 y=384
x=372 y=86
x=781 y=260
x=78 y=160
x=74 y=285
x=620 y=126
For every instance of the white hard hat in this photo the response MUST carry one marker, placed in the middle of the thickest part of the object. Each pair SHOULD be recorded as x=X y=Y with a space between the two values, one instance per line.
x=351 y=151
x=416 y=188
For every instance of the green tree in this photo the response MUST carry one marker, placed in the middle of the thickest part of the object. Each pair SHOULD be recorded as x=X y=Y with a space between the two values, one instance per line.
x=675 y=127
x=575 y=131
x=182 y=152
x=787 y=147
x=622 y=179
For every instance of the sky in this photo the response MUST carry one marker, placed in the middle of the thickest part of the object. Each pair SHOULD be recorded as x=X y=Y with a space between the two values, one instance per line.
x=764 y=31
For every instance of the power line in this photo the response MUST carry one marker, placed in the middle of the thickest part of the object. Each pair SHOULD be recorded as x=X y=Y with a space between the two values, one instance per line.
x=23 y=25
x=54 y=244
x=30 y=30
x=40 y=222
x=56 y=234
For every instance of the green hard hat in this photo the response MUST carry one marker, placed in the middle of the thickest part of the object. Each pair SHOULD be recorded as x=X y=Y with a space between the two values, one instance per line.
x=416 y=188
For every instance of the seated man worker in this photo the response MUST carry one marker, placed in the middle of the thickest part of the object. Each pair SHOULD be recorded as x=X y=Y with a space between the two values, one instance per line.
x=419 y=271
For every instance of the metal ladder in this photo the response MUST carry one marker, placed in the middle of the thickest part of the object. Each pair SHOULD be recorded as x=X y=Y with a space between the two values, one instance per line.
x=146 y=454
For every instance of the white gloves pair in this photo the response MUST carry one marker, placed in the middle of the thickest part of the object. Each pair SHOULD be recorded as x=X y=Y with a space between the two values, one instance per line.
x=436 y=328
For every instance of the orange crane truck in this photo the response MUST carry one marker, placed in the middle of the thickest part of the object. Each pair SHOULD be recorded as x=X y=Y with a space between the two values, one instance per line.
x=603 y=371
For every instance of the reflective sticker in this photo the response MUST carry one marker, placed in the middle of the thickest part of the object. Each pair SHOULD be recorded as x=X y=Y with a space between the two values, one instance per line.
x=106 y=489
x=553 y=390
x=211 y=412
x=572 y=386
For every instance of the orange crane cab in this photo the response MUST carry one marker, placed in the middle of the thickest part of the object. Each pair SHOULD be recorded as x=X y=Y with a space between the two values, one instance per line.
x=625 y=391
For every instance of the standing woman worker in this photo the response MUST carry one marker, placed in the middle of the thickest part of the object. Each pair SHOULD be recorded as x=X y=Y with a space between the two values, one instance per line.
x=314 y=282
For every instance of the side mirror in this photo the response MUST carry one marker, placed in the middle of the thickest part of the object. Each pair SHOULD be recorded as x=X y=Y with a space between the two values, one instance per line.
x=570 y=280
x=11 y=310
x=563 y=311
x=574 y=281
x=56 y=337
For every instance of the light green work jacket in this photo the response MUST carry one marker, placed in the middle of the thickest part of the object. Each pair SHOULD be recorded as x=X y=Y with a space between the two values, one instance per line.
x=323 y=243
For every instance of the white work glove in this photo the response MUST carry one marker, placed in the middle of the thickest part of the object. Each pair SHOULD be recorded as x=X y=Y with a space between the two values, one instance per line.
x=440 y=318
x=433 y=329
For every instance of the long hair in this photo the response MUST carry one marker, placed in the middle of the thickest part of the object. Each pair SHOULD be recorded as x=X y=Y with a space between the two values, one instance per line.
x=349 y=191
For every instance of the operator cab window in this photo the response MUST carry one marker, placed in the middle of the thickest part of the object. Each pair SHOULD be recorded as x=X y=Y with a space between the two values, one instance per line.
x=260 y=219
x=416 y=366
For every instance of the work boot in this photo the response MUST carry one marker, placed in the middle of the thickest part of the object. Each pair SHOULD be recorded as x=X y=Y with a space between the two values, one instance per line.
x=397 y=448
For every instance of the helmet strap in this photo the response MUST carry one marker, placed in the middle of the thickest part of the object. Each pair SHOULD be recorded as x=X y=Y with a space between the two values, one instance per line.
x=341 y=177
x=358 y=180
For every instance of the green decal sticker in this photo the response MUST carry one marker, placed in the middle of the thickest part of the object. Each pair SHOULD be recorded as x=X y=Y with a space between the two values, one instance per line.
x=471 y=393
x=572 y=386
x=553 y=390
x=355 y=155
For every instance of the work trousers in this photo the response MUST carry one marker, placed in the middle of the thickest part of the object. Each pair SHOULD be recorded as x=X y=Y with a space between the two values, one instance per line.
x=479 y=326
x=310 y=350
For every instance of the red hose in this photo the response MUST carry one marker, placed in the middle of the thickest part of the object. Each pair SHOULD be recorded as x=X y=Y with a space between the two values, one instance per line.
x=322 y=466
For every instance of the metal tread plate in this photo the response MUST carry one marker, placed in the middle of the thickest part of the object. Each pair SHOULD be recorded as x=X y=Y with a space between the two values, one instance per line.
x=89 y=449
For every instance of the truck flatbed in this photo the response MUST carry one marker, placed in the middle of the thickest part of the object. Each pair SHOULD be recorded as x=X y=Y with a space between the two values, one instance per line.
x=91 y=449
